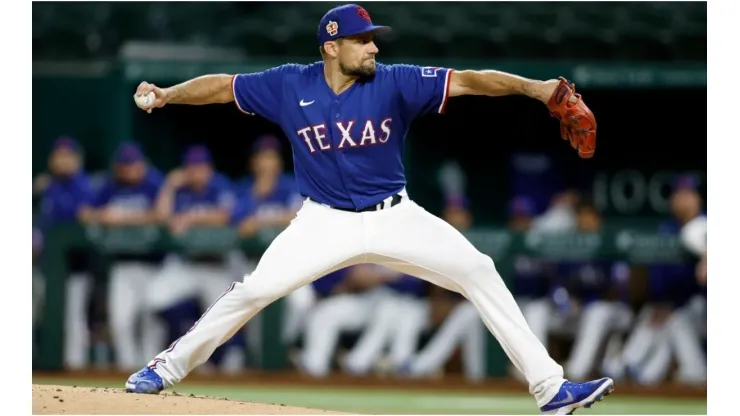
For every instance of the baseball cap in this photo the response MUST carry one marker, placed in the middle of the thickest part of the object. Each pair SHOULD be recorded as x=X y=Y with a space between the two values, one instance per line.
x=196 y=155
x=266 y=142
x=346 y=20
x=521 y=205
x=68 y=143
x=686 y=182
x=129 y=152
x=457 y=201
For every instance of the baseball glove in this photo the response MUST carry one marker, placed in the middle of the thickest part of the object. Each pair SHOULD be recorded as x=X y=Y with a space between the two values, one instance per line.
x=577 y=122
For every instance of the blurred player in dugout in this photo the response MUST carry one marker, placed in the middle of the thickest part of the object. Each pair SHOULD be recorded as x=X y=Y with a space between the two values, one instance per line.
x=127 y=197
x=268 y=198
x=671 y=327
x=451 y=321
x=194 y=196
x=360 y=300
x=64 y=191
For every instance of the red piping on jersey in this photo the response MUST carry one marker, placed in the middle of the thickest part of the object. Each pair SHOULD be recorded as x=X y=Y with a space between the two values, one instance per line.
x=446 y=93
x=236 y=100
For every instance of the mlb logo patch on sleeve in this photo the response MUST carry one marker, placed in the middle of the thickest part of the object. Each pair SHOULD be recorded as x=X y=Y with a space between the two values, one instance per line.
x=429 y=71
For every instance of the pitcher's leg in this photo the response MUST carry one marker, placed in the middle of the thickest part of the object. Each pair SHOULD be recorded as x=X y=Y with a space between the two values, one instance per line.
x=436 y=252
x=537 y=313
x=318 y=241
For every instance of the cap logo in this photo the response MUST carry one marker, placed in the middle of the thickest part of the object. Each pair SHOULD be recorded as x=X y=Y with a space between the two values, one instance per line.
x=332 y=28
x=363 y=13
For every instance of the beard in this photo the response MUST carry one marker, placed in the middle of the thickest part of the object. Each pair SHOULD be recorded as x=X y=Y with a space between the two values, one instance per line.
x=361 y=70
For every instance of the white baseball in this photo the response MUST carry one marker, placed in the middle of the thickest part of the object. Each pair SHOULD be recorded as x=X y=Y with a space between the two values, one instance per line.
x=145 y=101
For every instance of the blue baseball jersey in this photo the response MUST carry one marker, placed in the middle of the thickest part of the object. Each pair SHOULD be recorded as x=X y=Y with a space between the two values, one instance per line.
x=590 y=281
x=245 y=207
x=347 y=148
x=672 y=283
x=131 y=197
x=324 y=286
x=283 y=197
x=218 y=193
x=63 y=198
x=535 y=176
x=409 y=285
x=531 y=278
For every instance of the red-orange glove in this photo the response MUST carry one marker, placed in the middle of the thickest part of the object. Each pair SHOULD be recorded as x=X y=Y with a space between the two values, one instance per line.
x=577 y=122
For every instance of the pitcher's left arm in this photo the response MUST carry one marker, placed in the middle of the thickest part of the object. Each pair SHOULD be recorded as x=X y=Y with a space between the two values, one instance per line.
x=577 y=122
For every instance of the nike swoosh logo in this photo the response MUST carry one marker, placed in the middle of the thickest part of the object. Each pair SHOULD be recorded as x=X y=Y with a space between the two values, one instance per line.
x=303 y=103
x=567 y=400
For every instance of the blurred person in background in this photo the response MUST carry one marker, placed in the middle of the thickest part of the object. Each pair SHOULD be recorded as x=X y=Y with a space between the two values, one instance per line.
x=273 y=191
x=537 y=177
x=196 y=196
x=671 y=324
x=350 y=308
x=693 y=237
x=396 y=324
x=272 y=199
x=594 y=294
x=38 y=287
x=127 y=197
x=533 y=278
x=65 y=191
x=323 y=288
x=455 y=318
x=560 y=215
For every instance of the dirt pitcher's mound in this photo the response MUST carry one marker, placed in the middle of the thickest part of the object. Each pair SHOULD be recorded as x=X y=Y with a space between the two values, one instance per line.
x=58 y=400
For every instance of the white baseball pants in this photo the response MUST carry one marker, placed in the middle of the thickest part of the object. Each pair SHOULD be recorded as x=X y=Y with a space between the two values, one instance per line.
x=405 y=238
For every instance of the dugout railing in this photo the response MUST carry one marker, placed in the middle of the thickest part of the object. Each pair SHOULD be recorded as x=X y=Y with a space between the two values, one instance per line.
x=635 y=245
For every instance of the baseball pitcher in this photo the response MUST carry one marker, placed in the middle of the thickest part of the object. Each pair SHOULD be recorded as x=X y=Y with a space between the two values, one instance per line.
x=346 y=117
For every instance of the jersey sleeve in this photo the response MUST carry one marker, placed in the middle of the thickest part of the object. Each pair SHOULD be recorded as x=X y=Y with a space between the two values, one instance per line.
x=423 y=89
x=261 y=92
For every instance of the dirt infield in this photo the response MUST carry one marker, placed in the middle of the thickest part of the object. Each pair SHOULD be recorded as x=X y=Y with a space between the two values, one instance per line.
x=448 y=384
x=57 y=400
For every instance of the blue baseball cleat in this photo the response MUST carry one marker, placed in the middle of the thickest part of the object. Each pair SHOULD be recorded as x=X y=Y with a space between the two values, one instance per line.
x=573 y=396
x=145 y=381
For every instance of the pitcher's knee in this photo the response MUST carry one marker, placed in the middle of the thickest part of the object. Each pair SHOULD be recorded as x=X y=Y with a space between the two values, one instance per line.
x=257 y=296
x=482 y=268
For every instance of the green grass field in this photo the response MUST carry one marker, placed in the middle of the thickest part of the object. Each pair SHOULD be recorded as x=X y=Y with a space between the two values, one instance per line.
x=413 y=402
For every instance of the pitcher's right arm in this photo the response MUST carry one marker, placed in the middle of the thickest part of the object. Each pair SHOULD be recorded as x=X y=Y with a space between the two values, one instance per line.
x=206 y=89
